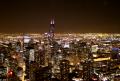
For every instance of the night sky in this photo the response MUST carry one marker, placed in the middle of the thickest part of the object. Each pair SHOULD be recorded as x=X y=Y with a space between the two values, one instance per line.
x=80 y=16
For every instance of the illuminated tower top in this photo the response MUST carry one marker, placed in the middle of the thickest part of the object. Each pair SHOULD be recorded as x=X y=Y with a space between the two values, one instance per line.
x=52 y=28
x=52 y=21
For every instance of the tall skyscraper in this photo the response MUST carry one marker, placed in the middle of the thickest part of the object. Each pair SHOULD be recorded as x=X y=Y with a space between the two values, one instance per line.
x=42 y=56
x=52 y=29
x=64 y=70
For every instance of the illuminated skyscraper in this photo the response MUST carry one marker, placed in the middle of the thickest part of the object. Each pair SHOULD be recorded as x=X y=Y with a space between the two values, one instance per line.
x=42 y=56
x=51 y=39
x=64 y=70
x=52 y=29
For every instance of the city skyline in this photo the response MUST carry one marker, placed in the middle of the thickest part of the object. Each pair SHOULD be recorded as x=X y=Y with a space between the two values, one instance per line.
x=59 y=40
x=83 y=16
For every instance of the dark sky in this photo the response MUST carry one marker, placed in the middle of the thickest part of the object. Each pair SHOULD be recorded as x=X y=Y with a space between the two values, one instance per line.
x=70 y=15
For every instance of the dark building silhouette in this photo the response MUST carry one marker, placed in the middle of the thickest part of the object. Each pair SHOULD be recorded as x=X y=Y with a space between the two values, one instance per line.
x=42 y=56
x=64 y=69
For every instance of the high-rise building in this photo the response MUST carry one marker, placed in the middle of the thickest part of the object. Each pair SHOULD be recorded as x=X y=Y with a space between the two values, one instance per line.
x=51 y=30
x=42 y=56
x=64 y=70
x=87 y=70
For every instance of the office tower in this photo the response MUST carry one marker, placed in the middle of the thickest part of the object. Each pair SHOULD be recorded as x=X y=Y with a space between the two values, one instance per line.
x=64 y=70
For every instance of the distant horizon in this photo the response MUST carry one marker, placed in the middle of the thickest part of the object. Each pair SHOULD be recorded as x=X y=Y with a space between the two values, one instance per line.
x=60 y=33
x=79 y=16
